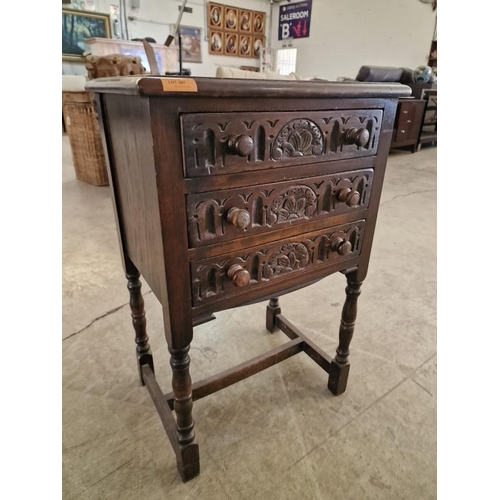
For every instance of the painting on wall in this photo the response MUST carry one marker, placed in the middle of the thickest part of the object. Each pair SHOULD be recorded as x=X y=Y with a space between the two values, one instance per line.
x=246 y=21
x=79 y=25
x=231 y=18
x=235 y=32
x=216 y=43
x=231 y=44
x=258 y=43
x=258 y=22
x=215 y=15
x=191 y=43
x=245 y=46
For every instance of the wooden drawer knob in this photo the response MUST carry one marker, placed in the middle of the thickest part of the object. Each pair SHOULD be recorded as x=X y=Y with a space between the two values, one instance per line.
x=238 y=217
x=341 y=246
x=349 y=197
x=358 y=136
x=238 y=275
x=241 y=145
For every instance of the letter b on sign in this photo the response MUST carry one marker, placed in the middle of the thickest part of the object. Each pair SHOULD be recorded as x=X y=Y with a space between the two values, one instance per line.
x=285 y=30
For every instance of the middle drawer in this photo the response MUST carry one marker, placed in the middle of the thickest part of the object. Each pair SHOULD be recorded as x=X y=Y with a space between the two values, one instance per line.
x=234 y=213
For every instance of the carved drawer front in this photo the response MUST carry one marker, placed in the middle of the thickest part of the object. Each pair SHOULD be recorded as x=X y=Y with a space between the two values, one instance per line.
x=234 y=213
x=222 y=143
x=219 y=277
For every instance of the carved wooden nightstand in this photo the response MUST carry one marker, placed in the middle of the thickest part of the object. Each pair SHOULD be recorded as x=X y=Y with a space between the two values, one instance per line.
x=229 y=192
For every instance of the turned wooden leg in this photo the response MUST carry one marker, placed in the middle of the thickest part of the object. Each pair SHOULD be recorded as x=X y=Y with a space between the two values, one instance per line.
x=339 y=369
x=143 y=351
x=188 y=459
x=273 y=309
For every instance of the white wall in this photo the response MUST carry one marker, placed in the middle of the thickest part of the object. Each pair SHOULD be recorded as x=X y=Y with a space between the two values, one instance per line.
x=166 y=12
x=347 y=34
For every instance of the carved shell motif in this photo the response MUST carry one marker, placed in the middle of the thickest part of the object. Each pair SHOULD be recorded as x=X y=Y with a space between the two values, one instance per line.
x=298 y=202
x=285 y=259
x=298 y=138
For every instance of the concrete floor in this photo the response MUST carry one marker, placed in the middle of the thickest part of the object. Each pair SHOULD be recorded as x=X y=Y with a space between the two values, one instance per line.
x=280 y=434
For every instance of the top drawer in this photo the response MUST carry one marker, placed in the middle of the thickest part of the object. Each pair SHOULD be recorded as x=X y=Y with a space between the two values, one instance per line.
x=225 y=143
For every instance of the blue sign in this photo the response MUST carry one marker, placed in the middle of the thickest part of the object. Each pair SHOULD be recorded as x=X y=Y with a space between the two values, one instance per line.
x=295 y=20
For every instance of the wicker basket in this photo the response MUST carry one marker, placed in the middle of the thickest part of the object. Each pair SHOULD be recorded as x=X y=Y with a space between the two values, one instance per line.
x=85 y=138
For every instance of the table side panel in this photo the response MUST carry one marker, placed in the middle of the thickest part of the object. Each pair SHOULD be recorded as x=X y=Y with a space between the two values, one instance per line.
x=177 y=313
x=378 y=180
x=130 y=141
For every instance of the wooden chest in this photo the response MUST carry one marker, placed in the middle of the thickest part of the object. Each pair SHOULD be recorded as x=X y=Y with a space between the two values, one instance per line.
x=229 y=192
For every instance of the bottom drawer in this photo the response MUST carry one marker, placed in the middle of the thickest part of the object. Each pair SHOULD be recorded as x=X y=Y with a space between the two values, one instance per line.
x=254 y=268
x=402 y=133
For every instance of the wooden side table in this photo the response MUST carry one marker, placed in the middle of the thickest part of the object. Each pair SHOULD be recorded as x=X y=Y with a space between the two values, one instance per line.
x=409 y=116
x=229 y=192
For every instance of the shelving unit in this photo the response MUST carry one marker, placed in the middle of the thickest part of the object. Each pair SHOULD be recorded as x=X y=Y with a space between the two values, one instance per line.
x=428 y=131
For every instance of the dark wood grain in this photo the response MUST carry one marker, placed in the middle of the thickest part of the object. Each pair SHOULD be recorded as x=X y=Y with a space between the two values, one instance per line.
x=279 y=232
x=428 y=129
x=272 y=310
x=128 y=129
x=408 y=122
x=310 y=348
x=188 y=457
x=242 y=371
x=238 y=192
x=183 y=401
x=143 y=350
x=211 y=279
x=217 y=182
x=178 y=318
x=275 y=140
x=275 y=288
x=236 y=213
x=339 y=368
x=378 y=180
x=214 y=87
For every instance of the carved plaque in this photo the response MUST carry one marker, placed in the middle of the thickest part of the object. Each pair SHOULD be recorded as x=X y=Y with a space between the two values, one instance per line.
x=297 y=202
x=298 y=138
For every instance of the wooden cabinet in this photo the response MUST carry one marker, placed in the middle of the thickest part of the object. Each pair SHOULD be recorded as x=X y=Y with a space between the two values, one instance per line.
x=407 y=124
x=229 y=192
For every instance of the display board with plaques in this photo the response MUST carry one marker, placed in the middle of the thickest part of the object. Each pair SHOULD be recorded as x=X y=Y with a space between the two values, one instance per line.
x=235 y=32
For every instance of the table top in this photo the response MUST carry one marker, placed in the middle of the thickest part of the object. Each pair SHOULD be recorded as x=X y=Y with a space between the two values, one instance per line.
x=235 y=87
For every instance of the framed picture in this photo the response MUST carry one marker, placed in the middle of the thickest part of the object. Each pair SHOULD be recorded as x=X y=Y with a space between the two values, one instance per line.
x=258 y=43
x=246 y=21
x=231 y=18
x=216 y=41
x=245 y=46
x=215 y=16
x=259 y=21
x=191 y=42
x=77 y=26
x=231 y=44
